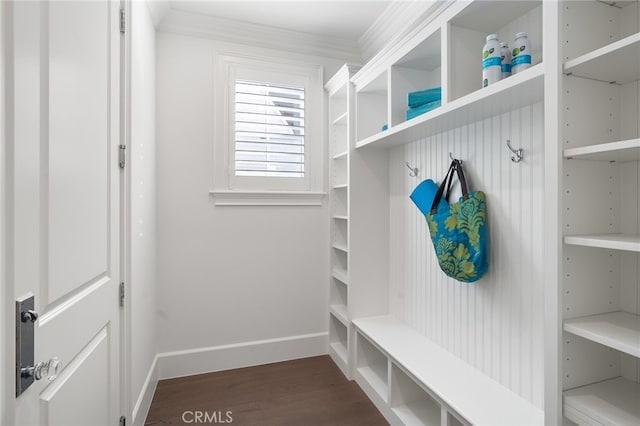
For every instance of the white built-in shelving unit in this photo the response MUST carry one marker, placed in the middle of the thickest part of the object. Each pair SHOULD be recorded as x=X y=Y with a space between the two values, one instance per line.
x=589 y=332
x=600 y=107
x=340 y=92
x=409 y=378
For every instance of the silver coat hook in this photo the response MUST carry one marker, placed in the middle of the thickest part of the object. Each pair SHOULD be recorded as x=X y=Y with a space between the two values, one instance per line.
x=518 y=152
x=414 y=170
x=454 y=159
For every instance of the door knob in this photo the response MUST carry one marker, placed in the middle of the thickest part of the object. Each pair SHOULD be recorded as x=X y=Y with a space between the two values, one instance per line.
x=29 y=315
x=42 y=369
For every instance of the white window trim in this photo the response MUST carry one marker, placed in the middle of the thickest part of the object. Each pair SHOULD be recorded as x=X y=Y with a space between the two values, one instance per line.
x=228 y=189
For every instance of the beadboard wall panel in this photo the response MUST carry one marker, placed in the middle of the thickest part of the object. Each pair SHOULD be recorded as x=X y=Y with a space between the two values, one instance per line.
x=495 y=324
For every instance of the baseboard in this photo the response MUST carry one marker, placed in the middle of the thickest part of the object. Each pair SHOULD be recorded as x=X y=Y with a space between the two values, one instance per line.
x=226 y=357
x=143 y=403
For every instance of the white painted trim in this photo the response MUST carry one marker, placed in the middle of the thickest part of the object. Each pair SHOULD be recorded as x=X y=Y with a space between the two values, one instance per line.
x=394 y=24
x=3 y=371
x=158 y=9
x=204 y=26
x=238 y=355
x=267 y=198
x=552 y=362
x=143 y=403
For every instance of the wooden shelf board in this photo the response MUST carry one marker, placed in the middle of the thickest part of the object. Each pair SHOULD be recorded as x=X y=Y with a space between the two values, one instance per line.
x=341 y=248
x=341 y=120
x=376 y=376
x=418 y=413
x=466 y=390
x=617 y=330
x=628 y=150
x=514 y=92
x=597 y=63
x=612 y=402
x=606 y=241
x=340 y=350
x=340 y=313
x=340 y=155
x=341 y=275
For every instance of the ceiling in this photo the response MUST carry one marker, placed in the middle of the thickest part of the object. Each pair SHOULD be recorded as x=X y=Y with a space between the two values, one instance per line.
x=345 y=19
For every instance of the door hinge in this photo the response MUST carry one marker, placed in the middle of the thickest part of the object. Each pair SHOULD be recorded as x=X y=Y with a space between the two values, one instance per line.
x=122 y=21
x=121 y=294
x=122 y=157
x=123 y=421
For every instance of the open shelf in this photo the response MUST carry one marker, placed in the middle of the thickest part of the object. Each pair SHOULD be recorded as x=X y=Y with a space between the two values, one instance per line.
x=417 y=413
x=372 y=367
x=617 y=330
x=375 y=376
x=597 y=64
x=341 y=120
x=410 y=403
x=340 y=155
x=464 y=389
x=628 y=150
x=340 y=350
x=612 y=402
x=340 y=312
x=341 y=247
x=522 y=89
x=606 y=241
x=341 y=275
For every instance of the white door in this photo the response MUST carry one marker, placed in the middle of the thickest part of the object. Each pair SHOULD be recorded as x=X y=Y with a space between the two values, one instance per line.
x=63 y=205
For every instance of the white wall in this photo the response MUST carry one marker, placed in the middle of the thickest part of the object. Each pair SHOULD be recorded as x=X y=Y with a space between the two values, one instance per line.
x=495 y=324
x=141 y=152
x=229 y=278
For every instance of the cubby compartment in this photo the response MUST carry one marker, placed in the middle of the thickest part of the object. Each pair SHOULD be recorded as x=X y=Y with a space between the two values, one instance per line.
x=339 y=139
x=339 y=172
x=467 y=35
x=372 y=107
x=340 y=235
x=372 y=368
x=418 y=70
x=338 y=339
x=410 y=402
x=338 y=294
x=339 y=201
x=608 y=23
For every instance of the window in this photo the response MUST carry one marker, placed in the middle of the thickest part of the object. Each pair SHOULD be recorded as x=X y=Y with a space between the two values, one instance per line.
x=269 y=130
x=268 y=139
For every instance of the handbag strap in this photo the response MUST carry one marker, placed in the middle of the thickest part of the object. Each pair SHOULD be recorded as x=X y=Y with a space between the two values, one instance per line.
x=463 y=180
x=455 y=168
x=446 y=183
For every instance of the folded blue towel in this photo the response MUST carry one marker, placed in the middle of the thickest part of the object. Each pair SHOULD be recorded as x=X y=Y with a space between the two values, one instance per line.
x=414 y=112
x=415 y=99
x=424 y=194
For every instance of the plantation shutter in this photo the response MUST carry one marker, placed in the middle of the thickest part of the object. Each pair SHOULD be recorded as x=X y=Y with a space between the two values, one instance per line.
x=269 y=130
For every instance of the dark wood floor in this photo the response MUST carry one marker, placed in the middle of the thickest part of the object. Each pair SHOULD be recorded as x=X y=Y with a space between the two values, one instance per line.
x=304 y=392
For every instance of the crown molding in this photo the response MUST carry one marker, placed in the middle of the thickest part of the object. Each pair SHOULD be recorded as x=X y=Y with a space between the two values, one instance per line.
x=205 y=26
x=340 y=78
x=398 y=20
x=158 y=9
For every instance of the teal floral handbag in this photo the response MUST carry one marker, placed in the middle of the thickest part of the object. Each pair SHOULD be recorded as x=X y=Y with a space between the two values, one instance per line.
x=458 y=231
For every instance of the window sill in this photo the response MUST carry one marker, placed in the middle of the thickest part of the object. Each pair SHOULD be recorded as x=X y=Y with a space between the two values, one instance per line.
x=267 y=198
